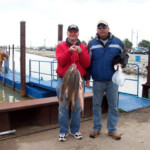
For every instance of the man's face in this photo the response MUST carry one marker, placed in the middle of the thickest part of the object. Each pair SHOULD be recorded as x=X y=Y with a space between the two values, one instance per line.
x=72 y=34
x=102 y=31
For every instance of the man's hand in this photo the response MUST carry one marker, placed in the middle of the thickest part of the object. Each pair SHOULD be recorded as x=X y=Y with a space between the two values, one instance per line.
x=87 y=83
x=79 y=50
x=119 y=65
x=116 y=67
x=75 y=48
x=72 y=48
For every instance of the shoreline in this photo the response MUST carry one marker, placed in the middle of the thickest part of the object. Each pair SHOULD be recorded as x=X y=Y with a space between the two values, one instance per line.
x=50 y=54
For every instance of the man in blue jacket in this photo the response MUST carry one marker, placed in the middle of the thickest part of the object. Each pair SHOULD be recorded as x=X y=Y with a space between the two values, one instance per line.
x=103 y=50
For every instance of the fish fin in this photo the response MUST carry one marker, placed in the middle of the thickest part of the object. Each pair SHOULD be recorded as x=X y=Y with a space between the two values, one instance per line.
x=61 y=99
x=66 y=92
x=73 y=108
x=81 y=97
x=67 y=107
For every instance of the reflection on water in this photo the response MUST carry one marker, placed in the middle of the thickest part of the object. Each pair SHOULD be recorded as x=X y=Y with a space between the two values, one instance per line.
x=8 y=95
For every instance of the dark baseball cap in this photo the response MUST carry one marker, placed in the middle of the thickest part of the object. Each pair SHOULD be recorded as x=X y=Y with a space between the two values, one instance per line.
x=73 y=27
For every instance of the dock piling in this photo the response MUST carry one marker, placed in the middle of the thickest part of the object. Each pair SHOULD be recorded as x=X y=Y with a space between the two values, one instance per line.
x=146 y=86
x=60 y=33
x=23 y=58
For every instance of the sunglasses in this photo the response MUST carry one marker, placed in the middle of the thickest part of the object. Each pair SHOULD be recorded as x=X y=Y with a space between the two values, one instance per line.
x=102 y=26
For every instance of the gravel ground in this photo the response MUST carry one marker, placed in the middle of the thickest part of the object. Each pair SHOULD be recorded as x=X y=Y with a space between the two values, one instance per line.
x=132 y=69
x=134 y=127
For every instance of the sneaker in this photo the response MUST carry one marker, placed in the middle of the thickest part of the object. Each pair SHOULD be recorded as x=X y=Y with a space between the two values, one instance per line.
x=77 y=135
x=94 y=134
x=115 y=135
x=62 y=137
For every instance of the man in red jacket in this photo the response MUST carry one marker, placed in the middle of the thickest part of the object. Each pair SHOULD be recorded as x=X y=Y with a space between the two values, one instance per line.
x=69 y=52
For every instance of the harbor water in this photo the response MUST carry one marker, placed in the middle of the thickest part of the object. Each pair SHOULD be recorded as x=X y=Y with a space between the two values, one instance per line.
x=131 y=86
x=8 y=95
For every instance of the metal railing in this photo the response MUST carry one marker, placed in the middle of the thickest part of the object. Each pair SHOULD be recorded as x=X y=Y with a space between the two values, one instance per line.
x=51 y=72
x=53 y=75
x=137 y=79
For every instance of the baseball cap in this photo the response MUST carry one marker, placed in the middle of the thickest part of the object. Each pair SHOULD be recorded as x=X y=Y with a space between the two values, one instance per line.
x=102 y=22
x=73 y=27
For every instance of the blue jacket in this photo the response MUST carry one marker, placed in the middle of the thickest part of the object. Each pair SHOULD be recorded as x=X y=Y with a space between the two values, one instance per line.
x=102 y=57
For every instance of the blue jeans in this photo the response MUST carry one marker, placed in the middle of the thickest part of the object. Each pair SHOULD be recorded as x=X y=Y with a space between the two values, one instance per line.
x=63 y=115
x=111 y=90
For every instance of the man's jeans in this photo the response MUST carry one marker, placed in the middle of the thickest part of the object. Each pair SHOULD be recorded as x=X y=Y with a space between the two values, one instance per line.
x=111 y=90
x=63 y=115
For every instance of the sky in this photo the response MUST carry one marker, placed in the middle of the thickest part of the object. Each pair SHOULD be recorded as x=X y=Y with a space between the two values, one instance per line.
x=126 y=18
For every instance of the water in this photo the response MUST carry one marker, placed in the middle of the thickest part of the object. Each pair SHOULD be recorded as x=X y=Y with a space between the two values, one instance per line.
x=8 y=95
x=131 y=86
x=28 y=57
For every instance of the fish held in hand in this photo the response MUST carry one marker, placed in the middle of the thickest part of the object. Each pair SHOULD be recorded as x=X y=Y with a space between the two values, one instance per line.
x=66 y=80
x=73 y=87
x=81 y=94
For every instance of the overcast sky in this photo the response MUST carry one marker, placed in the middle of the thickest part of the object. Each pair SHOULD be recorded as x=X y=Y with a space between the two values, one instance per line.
x=43 y=16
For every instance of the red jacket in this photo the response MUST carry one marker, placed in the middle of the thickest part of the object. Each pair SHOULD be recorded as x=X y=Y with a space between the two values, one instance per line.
x=65 y=58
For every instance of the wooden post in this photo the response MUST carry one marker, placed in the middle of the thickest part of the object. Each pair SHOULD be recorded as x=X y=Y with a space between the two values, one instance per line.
x=13 y=67
x=60 y=33
x=146 y=86
x=9 y=50
x=8 y=54
x=23 y=58
x=148 y=69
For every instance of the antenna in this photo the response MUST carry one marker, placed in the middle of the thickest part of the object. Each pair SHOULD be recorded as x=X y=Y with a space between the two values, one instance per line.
x=132 y=36
x=137 y=39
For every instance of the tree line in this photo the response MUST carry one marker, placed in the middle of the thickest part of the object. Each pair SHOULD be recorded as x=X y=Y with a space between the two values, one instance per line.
x=144 y=43
x=128 y=44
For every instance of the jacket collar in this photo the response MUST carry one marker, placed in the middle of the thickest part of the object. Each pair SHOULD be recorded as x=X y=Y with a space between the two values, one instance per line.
x=108 y=37
x=68 y=43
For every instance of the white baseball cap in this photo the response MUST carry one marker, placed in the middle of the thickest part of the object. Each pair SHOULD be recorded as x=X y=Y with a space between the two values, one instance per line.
x=103 y=22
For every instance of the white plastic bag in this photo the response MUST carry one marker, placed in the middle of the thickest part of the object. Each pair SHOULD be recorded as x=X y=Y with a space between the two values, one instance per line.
x=118 y=77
